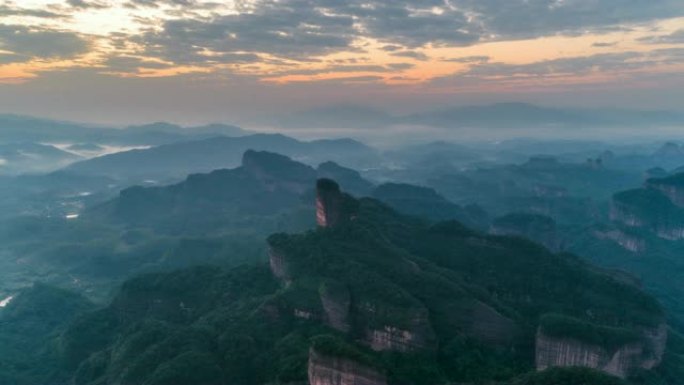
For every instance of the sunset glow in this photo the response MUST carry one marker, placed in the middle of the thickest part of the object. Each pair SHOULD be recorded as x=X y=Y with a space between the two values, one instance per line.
x=443 y=47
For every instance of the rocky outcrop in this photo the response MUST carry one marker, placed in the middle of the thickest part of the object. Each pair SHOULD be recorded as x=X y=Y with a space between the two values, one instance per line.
x=394 y=339
x=417 y=336
x=594 y=163
x=644 y=354
x=670 y=187
x=332 y=206
x=328 y=203
x=656 y=339
x=352 y=181
x=336 y=302
x=628 y=242
x=329 y=370
x=670 y=232
x=278 y=264
x=621 y=213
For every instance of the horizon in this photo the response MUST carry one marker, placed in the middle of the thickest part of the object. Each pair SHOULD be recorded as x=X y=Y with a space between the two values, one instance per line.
x=243 y=62
x=397 y=130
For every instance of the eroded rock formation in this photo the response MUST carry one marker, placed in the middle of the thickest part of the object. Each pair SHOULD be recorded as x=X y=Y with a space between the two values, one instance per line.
x=621 y=213
x=329 y=201
x=628 y=242
x=328 y=370
x=673 y=191
x=559 y=351
x=336 y=302
x=278 y=265
x=417 y=335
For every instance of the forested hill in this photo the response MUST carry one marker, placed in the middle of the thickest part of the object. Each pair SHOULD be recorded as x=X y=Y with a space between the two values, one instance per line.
x=381 y=298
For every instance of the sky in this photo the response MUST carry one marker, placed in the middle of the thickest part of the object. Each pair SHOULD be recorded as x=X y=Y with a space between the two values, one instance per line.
x=197 y=61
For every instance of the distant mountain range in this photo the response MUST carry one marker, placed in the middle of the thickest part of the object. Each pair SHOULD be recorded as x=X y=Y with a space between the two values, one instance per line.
x=15 y=128
x=377 y=298
x=180 y=159
x=24 y=157
x=500 y=115
x=264 y=185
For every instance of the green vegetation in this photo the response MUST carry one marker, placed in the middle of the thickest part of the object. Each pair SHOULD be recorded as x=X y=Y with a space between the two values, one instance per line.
x=676 y=180
x=568 y=376
x=337 y=347
x=609 y=338
x=28 y=327
x=650 y=206
x=438 y=283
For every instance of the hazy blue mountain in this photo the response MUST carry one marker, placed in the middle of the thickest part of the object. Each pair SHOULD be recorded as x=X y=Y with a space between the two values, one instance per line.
x=161 y=128
x=265 y=184
x=15 y=128
x=380 y=296
x=179 y=159
x=519 y=115
x=337 y=116
x=55 y=194
x=27 y=157
x=427 y=203
x=499 y=115
x=355 y=183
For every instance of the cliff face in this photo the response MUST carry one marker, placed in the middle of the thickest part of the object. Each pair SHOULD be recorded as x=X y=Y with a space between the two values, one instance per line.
x=621 y=213
x=628 y=242
x=328 y=203
x=670 y=231
x=651 y=208
x=336 y=307
x=278 y=265
x=395 y=339
x=328 y=370
x=558 y=351
x=673 y=192
x=413 y=333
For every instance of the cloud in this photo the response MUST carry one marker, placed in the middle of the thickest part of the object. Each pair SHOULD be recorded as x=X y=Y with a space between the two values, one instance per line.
x=128 y=64
x=350 y=80
x=574 y=66
x=468 y=59
x=514 y=19
x=392 y=67
x=602 y=44
x=26 y=43
x=564 y=66
x=400 y=66
x=411 y=54
x=6 y=10
x=300 y=29
x=83 y=4
x=285 y=29
x=676 y=37
x=411 y=23
x=158 y=3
